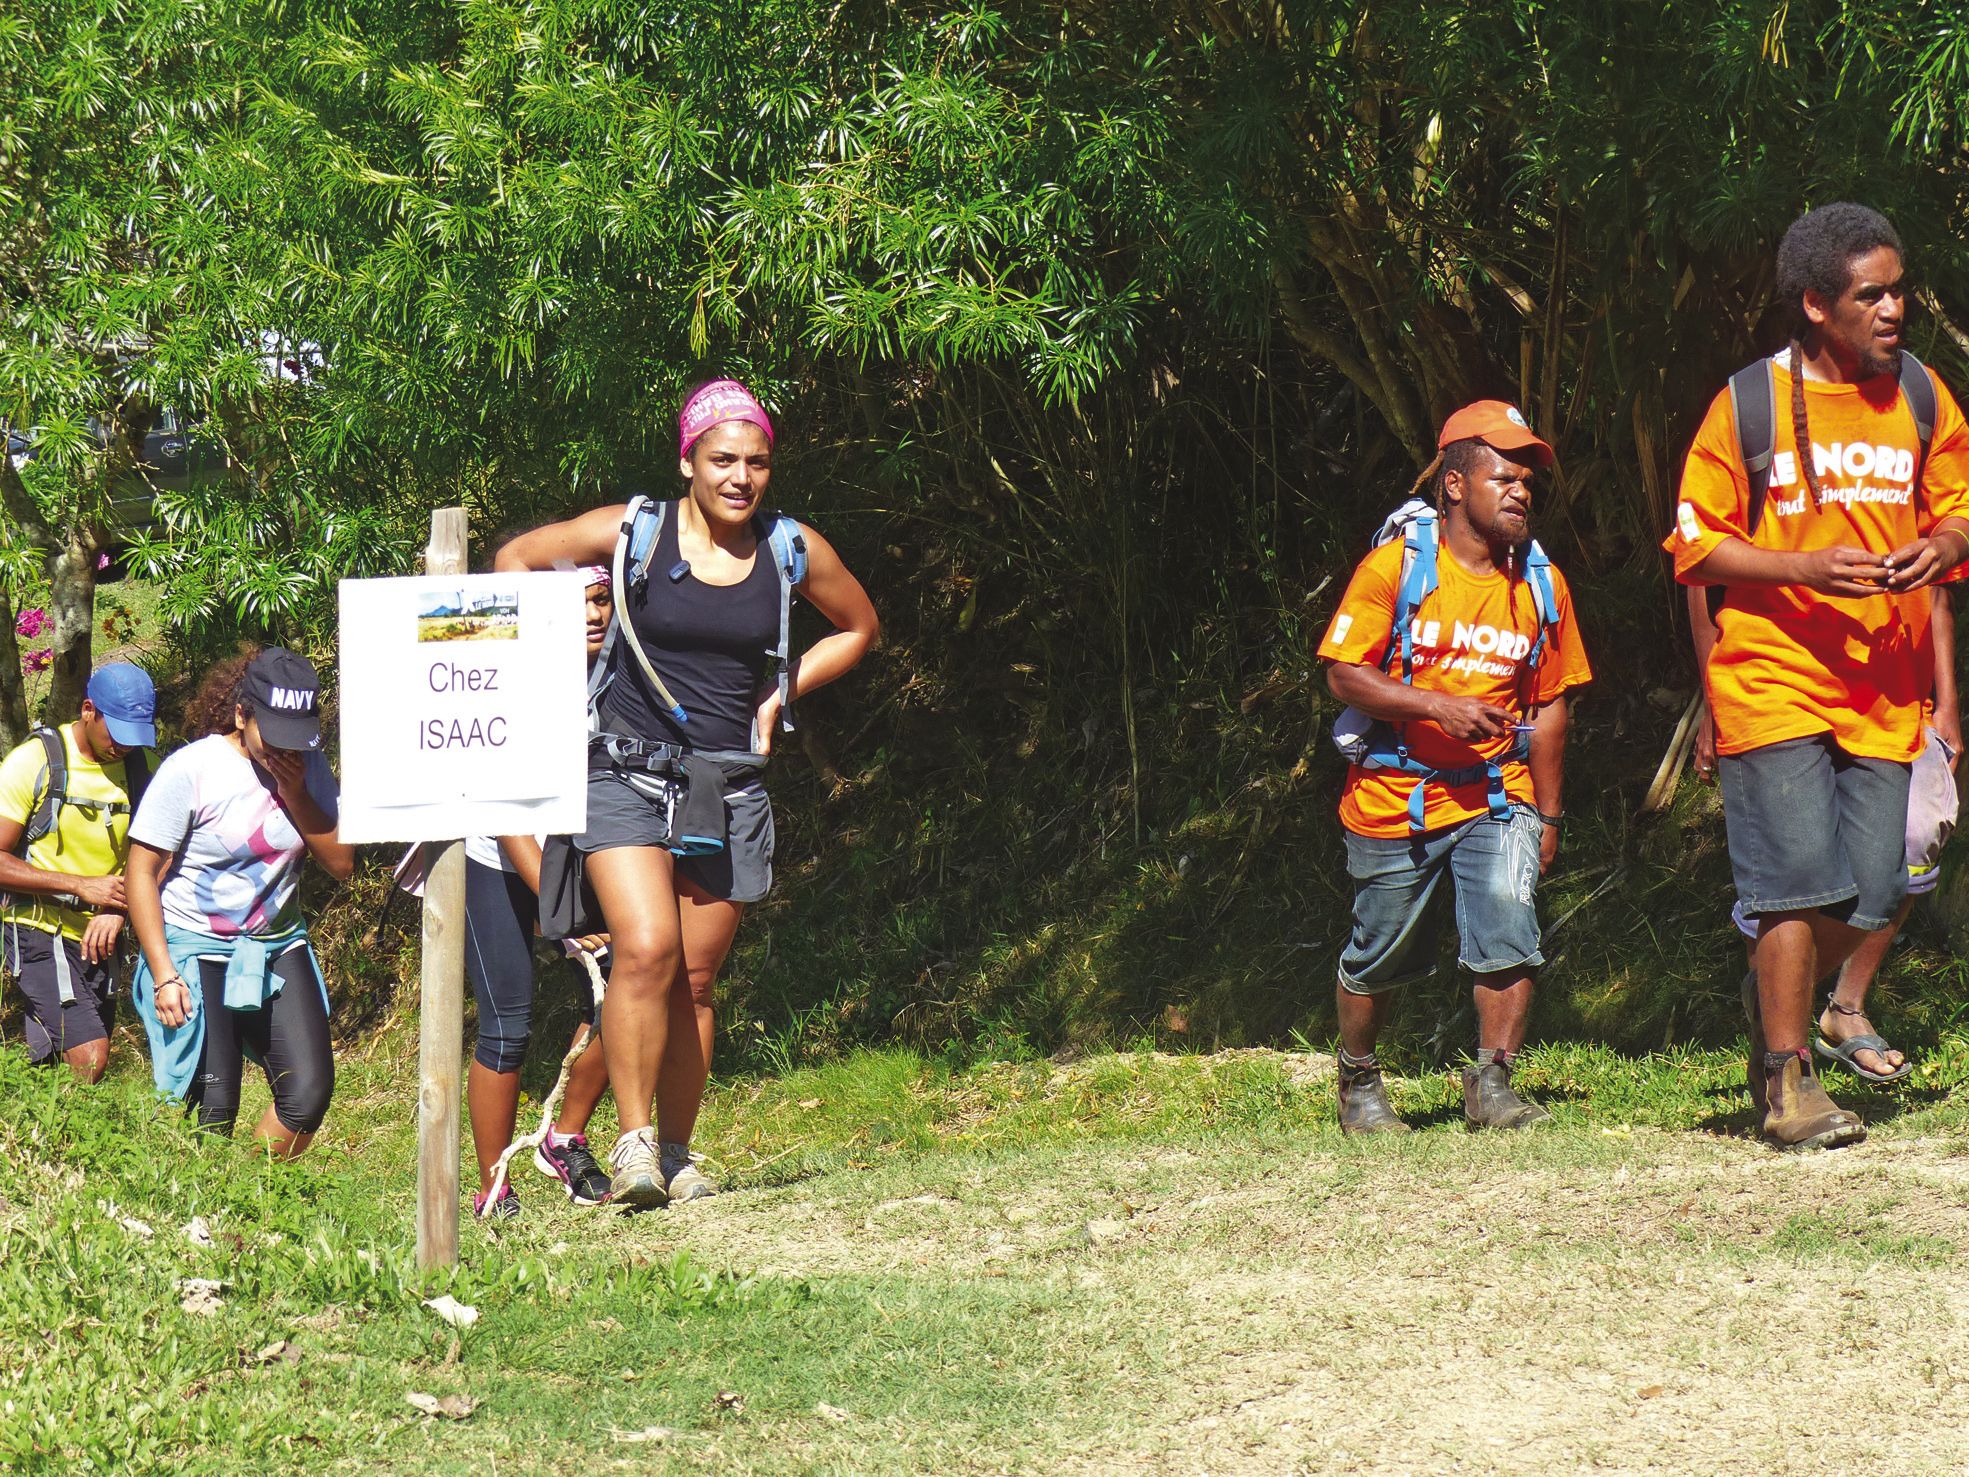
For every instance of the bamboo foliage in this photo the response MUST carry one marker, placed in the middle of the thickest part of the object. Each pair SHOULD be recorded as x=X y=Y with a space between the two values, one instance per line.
x=1041 y=269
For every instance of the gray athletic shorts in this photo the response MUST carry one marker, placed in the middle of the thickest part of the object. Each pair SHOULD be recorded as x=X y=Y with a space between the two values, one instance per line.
x=41 y=963
x=621 y=815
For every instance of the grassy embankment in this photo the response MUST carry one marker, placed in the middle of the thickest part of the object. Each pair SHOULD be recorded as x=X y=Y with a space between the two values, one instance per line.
x=1133 y=1262
x=945 y=1262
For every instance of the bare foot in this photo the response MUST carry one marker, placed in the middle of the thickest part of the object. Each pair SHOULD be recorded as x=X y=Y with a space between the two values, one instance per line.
x=1837 y=1024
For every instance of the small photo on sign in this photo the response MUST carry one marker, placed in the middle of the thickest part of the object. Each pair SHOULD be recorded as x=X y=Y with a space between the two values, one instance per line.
x=468 y=615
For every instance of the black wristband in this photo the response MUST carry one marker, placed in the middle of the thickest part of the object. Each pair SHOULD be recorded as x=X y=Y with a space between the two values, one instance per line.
x=1552 y=820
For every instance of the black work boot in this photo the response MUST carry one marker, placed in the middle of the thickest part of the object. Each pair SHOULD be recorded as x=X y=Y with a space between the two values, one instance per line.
x=1364 y=1098
x=1489 y=1102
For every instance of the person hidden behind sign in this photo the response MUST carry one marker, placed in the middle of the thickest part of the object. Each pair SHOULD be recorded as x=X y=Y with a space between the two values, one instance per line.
x=213 y=882
x=684 y=704
x=502 y=909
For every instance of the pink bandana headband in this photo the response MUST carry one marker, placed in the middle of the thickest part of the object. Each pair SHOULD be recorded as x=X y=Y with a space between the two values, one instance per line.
x=597 y=574
x=717 y=402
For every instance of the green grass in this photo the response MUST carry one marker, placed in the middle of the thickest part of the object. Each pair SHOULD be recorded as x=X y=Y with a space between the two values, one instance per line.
x=922 y=1267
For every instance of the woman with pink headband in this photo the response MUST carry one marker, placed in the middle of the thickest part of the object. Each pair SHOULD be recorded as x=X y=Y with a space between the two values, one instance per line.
x=502 y=909
x=706 y=614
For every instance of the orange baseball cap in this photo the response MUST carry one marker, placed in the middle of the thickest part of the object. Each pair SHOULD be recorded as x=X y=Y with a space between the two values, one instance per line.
x=1499 y=425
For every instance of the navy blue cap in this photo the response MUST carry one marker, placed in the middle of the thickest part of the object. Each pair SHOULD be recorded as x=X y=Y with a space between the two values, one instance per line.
x=283 y=692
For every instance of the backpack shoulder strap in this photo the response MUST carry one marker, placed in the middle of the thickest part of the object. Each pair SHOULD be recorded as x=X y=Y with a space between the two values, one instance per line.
x=1753 y=401
x=1544 y=599
x=1918 y=388
x=640 y=527
x=136 y=776
x=640 y=531
x=54 y=788
x=1418 y=582
x=788 y=547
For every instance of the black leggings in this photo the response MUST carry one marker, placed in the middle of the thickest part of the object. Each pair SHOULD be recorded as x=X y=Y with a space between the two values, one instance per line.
x=288 y=1037
x=500 y=912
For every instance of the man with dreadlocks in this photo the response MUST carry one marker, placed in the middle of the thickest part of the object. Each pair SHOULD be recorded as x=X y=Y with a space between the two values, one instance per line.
x=1823 y=539
x=1454 y=647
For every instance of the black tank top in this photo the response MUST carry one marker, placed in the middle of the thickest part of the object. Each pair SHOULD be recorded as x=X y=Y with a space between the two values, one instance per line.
x=711 y=644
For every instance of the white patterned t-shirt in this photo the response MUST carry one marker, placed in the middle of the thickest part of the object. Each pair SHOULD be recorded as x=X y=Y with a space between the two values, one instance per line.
x=238 y=857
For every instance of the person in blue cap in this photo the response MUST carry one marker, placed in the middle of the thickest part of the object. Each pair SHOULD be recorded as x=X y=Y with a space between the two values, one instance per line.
x=65 y=800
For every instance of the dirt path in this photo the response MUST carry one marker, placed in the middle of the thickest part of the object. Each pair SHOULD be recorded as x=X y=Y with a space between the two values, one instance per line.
x=1585 y=1300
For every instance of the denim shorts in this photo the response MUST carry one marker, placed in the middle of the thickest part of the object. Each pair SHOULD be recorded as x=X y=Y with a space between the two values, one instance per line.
x=1493 y=868
x=1928 y=826
x=1812 y=826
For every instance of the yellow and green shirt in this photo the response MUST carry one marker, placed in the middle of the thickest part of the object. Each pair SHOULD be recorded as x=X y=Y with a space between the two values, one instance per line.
x=82 y=842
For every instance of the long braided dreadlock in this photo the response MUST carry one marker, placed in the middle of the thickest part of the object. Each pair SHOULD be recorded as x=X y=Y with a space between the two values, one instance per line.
x=1817 y=256
x=1801 y=426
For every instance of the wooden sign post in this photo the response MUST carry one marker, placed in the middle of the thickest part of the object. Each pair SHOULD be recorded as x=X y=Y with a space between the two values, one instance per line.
x=464 y=713
x=441 y=994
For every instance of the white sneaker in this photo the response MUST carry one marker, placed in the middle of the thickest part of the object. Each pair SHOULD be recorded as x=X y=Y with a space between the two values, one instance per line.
x=637 y=1172
x=681 y=1176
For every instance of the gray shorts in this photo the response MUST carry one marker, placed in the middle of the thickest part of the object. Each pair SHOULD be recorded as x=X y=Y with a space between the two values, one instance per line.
x=621 y=815
x=48 y=966
x=1811 y=826
x=1930 y=821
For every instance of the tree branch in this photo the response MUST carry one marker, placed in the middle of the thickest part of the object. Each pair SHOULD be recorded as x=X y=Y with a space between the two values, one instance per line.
x=14 y=500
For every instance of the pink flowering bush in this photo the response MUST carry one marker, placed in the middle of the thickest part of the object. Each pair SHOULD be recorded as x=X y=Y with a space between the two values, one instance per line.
x=38 y=660
x=32 y=622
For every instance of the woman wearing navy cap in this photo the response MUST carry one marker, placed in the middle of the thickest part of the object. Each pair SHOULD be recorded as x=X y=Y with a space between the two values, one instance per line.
x=686 y=709
x=213 y=882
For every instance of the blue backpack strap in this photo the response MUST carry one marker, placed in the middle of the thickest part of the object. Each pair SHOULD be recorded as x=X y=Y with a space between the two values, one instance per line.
x=639 y=512
x=641 y=528
x=1387 y=752
x=789 y=552
x=1538 y=574
x=1417 y=584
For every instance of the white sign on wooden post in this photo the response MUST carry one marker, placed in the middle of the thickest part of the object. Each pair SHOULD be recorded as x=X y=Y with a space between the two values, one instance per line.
x=464 y=706
x=464 y=713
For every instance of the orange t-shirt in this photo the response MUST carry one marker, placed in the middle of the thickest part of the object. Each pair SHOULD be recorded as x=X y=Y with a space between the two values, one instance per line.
x=1790 y=662
x=1473 y=635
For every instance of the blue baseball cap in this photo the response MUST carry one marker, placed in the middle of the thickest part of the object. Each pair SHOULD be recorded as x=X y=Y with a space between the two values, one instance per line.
x=127 y=699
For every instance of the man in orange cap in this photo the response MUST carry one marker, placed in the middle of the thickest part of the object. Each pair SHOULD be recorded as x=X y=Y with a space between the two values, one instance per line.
x=1454 y=647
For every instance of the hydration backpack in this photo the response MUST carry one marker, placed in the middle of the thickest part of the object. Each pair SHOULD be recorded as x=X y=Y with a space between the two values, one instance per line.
x=1371 y=743
x=779 y=537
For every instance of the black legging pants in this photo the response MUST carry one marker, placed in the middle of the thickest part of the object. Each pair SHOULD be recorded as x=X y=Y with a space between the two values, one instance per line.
x=288 y=1037
x=500 y=912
